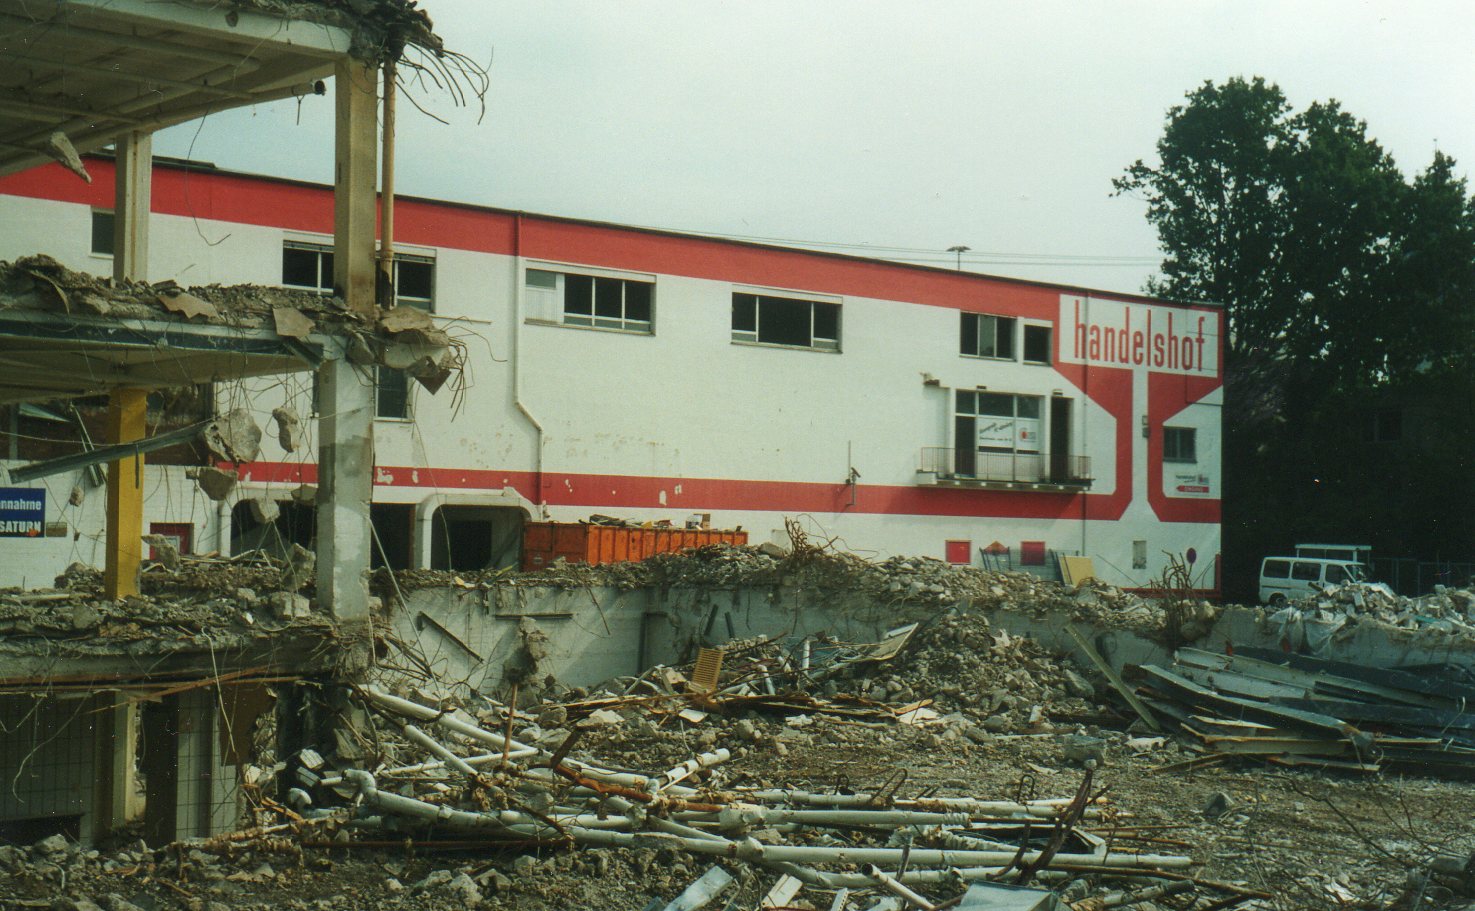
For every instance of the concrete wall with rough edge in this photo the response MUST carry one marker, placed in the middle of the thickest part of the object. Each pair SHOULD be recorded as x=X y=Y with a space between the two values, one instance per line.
x=598 y=633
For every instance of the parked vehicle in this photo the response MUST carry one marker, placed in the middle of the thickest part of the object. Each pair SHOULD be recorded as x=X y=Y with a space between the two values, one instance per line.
x=1350 y=553
x=1285 y=579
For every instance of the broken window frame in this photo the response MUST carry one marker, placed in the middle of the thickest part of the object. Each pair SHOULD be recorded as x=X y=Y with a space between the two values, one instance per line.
x=1180 y=444
x=603 y=290
x=822 y=319
x=987 y=336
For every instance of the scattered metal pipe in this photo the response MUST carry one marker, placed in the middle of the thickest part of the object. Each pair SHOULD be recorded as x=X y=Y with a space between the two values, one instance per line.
x=888 y=883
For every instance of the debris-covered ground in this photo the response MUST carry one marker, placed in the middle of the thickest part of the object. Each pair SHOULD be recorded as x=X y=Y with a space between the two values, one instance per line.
x=614 y=797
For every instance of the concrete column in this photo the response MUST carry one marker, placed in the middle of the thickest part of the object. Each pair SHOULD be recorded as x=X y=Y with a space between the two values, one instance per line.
x=132 y=192
x=345 y=488
x=126 y=410
x=117 y=780
x=356 y=158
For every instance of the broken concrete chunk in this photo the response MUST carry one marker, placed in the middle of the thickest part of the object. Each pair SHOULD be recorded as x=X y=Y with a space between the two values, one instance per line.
x=301 y=564
x=77 y=495
x=234 y=436
x=401 y=319
x=59 y=147
x=289 y=427
x=165 y=550
x=306 y=494
x=291 y=323
x=290 y=605
x=264 y=509
x=177 y=300
x=217 y=483
x=1219 y=804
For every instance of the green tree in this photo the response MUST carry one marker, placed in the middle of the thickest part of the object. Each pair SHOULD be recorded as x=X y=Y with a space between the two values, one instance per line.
x=1215 y=198
x=1347 y=289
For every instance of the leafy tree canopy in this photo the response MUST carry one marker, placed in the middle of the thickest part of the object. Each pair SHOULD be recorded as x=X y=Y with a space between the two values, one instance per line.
x=1304 y=228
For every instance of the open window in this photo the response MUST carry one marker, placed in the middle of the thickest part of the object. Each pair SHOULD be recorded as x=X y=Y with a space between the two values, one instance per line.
x=1037 y=344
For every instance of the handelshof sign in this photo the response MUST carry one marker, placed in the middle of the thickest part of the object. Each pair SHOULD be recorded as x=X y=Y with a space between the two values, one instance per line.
x=22 y=512
x=1139 y=336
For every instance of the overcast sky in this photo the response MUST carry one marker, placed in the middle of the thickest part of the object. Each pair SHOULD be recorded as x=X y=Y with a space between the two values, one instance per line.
x=896 y=125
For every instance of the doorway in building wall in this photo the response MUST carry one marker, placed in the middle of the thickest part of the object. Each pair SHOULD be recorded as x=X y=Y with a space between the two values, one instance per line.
x=1060 y=468
x=476 y=537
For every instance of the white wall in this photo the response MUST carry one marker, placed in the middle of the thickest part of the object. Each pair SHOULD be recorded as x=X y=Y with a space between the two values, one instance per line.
x=683 y=404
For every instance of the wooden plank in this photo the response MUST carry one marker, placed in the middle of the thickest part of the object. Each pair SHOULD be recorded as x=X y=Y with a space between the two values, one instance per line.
x=1114 y=677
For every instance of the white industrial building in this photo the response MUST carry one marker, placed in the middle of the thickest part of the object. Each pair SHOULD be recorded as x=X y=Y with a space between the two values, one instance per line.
x=654 y=375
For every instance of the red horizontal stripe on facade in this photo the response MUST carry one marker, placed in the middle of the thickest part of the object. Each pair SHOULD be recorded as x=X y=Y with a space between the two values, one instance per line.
x=708 y=494
x=296 y=206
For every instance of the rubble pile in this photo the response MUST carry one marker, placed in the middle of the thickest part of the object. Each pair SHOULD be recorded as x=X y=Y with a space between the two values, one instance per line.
x=960 y=663
x=495 y=775
x=201 y=605
x=923 y=583
x=1445 y=609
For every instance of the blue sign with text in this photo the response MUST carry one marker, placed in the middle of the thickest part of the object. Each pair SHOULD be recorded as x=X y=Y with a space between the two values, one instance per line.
x=22 y=512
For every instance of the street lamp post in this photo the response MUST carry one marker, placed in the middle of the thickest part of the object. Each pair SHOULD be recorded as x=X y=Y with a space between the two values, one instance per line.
x=960 y=249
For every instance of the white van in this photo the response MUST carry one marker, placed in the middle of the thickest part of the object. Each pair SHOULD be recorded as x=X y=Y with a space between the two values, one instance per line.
x=1285 y=579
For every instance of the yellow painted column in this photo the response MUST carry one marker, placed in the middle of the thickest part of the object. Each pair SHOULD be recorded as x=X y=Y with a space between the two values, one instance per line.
x=126 y=410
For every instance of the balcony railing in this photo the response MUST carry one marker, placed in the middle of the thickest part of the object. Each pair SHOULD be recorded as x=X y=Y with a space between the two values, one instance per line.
x=967 y=465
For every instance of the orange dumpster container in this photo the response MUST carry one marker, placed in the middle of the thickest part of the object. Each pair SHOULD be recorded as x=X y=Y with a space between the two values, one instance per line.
x=576 y=542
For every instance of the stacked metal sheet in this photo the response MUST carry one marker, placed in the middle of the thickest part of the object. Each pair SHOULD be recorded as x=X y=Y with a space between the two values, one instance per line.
x=1297 y=710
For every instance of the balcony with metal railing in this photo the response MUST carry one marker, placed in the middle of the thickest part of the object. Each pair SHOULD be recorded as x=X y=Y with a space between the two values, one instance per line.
x=942 y=466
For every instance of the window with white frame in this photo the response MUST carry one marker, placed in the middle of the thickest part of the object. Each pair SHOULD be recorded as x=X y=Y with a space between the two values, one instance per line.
x=1037 y=344
x=997 y=435
x=789 y=321
x=309 y=266
x=984 y=335
x=1180 y=444
x=592 y=301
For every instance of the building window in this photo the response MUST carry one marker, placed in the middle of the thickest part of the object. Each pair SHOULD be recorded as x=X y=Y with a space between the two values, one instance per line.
x=102 y=233
x=1180 y=444
x=391 y=393
x=310 y=267
x=787 y=321
x=1037 y=347
x=593 y=301
x=988 y=336
x=997 y=435
x=307 y=266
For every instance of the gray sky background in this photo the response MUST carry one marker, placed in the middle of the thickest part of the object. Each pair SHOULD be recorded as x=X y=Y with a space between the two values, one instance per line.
x=918 y=125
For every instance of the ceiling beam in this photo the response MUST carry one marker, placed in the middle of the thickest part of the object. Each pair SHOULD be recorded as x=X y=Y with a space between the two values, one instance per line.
x=223 y=22
x=58 y=27
x=142 y=79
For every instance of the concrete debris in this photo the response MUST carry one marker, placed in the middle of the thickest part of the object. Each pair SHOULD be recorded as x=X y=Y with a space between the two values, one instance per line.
x=165 y=551
x=289 y=427
x=177 y=300
x=217 y=483
x=1446 y=609
x=234 y=436
x=290 y=605
x=300 y=570
x=264 y=510
x=289 y=322
x=59 y=147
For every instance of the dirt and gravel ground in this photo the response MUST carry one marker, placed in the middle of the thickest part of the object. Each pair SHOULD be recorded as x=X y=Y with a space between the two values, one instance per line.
x=1308 y=840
